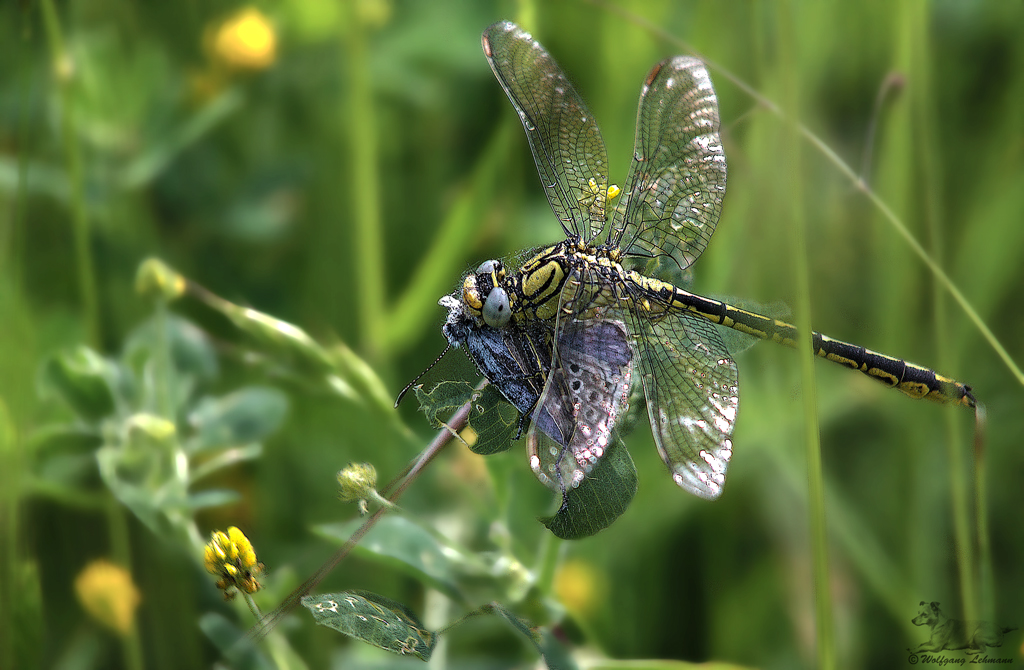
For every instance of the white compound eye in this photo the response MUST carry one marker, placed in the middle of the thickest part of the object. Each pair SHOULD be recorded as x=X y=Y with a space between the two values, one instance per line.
x=496 y=310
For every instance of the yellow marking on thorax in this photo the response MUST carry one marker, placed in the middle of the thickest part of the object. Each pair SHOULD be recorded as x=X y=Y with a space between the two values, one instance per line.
x=541 y=282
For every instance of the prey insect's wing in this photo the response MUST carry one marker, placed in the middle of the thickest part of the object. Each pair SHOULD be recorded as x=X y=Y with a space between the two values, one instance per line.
x=672 y=197
x=587 y=390
x=566 y=142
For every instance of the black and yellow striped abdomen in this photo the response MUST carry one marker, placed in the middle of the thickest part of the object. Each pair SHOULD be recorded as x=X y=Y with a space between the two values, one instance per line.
x=911 y=379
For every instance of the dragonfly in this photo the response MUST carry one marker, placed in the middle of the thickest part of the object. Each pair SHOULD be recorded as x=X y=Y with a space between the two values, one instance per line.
x=565 y=334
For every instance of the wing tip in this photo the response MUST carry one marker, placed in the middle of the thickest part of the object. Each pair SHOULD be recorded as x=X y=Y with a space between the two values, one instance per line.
x=701 y=484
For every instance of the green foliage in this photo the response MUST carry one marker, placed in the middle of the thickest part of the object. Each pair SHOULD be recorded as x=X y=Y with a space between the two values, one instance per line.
x=495 y=421
x=83 y=380
x=599 y=500
x=327 y=199
x=374 y=619
x=443 y=400
x=145 y=426
x=401 y=544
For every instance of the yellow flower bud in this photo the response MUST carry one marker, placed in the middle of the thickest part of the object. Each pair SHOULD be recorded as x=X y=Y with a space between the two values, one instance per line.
x=231 y=557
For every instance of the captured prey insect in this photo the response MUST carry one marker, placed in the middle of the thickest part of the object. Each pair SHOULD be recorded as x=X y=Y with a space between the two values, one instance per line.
x=565 y=335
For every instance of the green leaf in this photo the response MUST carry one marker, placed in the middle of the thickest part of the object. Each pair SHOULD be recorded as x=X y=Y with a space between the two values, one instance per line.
x=245 y=416
x=555 y=654
x=495 y=421
x=406 y=546
x=84 y=380
x=366 y=616
x=599 y=500
x=190 y=348
x=212 y=498
x=231 y=642
x=443 y=400
x=161 y=151
x=66 y=454
x=132 y=477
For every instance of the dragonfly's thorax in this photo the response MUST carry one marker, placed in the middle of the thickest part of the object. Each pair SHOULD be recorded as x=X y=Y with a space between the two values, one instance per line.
x=539 y=285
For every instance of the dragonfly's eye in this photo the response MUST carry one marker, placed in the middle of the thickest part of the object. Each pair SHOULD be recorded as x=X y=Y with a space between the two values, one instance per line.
x=494 y=269
x=496 y=309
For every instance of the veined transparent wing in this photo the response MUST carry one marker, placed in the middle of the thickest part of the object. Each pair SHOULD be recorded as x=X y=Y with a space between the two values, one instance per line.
x=672 y=198
x=566 y=142
x=691 y=386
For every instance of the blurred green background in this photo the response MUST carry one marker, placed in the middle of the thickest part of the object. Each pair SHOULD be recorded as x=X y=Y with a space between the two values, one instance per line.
x=340 y=164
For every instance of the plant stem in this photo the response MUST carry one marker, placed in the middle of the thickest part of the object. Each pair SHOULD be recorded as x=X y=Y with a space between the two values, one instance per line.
x=120 y=549
x=63 y=67
x=927 y=141
x=365 y=187
x=986 y=575
x=394 y=490
x=547 y=562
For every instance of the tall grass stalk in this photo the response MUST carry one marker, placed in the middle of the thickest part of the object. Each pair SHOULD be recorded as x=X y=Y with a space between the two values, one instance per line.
x=526 y=15
x=365 y=187
x=986 y=573
x=63 y=69
x=923 y=110
x=824 y=627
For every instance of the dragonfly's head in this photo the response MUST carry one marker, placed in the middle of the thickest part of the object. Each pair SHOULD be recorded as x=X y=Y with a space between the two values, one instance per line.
x=484 y=294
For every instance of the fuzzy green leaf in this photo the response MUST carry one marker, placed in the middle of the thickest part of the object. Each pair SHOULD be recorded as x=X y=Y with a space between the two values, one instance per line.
x=245 y=416
x=83 y=379
x=380 y=621
x=555 y=654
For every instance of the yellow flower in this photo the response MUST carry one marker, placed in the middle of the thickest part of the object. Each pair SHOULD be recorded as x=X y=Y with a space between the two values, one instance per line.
x=246 y=40
x=108 y=594
x=231 y=557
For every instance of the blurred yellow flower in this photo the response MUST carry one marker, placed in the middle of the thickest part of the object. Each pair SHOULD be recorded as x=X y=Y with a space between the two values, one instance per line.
x=231 y=557
x=108 y=594
x=246 y=40
x=579 y=586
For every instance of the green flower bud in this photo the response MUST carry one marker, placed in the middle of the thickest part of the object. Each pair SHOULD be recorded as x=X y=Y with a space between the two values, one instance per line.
x=357 y=482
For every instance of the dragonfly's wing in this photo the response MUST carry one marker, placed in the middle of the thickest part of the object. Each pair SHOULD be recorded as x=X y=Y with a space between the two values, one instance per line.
x=566 y=142
x=672 y=197
x=586 y=392
x=691 y=386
